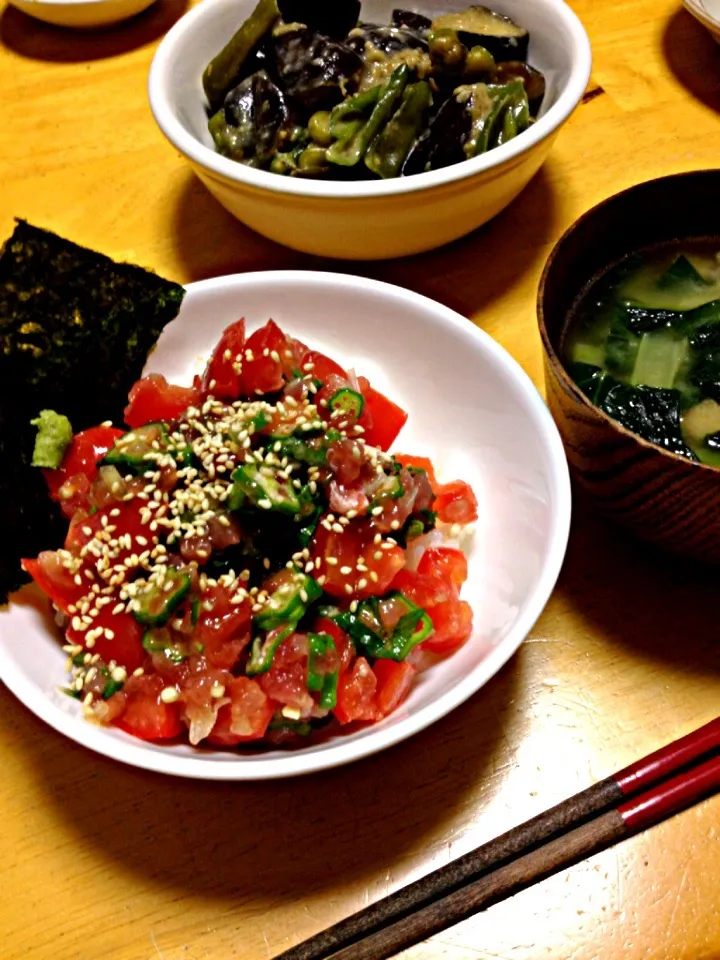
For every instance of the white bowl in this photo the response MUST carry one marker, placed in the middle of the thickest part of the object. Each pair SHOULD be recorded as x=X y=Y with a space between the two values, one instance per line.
x=366 y=220
x=472 y=408
x=708 y=13
x=81 y=13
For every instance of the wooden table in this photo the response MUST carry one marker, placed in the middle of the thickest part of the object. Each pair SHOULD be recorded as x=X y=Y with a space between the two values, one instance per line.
x=102 y=861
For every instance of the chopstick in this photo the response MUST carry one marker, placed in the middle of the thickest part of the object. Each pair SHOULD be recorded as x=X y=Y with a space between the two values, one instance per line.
x=585 y=823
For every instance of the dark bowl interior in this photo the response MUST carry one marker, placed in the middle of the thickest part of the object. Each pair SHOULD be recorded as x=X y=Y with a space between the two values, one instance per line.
x=663 y=497
x=670 y=208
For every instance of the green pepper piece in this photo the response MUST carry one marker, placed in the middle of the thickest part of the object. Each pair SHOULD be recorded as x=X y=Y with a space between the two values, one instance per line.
x=289 y=601
x=111 y=688
x=155 y=604
x=486 y=134
x=306 y=531
x=348 y=402
x=264 y=649
x=323 y=683
x=508 y=128
x=365 y=628
x=350 y=151
x=160 y=640
x=349 y=116
x=225 y=66
x=251 y=483
x=480 y=143
x=313 y=453
x=301 y=727
x=328 y=694
x=391 y=147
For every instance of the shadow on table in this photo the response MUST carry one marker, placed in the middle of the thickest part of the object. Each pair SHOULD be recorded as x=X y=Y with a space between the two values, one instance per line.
x=36 y=40
x=694 y=57
x=464 y=275
x=638 y=597
x=282 y=840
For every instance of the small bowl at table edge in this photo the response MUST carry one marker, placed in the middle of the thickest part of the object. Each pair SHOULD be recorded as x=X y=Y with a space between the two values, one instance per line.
x=662 y=497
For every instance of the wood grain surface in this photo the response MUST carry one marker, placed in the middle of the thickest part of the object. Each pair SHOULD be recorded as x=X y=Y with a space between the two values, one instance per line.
x=101 y=861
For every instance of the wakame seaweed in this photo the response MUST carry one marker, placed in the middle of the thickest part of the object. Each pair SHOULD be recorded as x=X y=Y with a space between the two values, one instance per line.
x=75 y=331
x=643 y=344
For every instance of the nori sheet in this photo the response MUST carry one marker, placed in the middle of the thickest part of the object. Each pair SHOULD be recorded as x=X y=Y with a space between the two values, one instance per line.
x=75 y=331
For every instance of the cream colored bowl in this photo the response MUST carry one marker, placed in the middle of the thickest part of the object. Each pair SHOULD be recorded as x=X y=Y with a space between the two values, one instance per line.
x=81 y=13
x=366 y=220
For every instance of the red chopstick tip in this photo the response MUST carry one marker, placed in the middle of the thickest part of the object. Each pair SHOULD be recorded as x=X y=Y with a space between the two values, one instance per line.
x=671 y=796
x=667 y=760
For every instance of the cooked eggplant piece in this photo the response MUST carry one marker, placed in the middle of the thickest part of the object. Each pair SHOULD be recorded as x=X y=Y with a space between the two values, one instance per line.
x=313 y=69
x=387 y=40
x=225 y=69
x=442 y=143
x=478 y=26
x=532 y=79
x=415 y=21
x=248 y=126
x=333 y=18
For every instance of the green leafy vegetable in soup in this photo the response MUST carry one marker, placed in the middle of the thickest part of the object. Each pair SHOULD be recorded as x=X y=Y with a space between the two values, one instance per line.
x=643 y=343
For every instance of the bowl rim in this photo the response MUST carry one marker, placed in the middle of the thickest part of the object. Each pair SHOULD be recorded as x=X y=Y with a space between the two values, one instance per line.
x=698 y=10
x=160 y=97
x=79 y=3
x=247 y=768
x=558 y=366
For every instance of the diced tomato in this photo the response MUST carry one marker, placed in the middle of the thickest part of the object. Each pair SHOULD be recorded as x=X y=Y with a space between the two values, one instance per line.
x=356 y=694
x=122 y=517
x=81 y=457
x=394 y=681
x=54 y=579
x=284 y=422
x=445 y=562
x=145 y=715
x=322 y=366
x=72 y=494
x=124 y=645
x=421 y=463
x=343 y=643
x=224 y=629
x=199 y=683
x=264 y=373
x=70 y=483
x=153 y=399
x=286 y=680
x=220 y=378
x=354 y=544
x=453 y=625
x=246 y=717
x=424 y=589
x=456 y=503
x=299 y=350
x=381 y=418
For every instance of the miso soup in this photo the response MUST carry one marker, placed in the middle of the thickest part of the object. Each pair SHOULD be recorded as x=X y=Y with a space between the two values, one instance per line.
x=643 y=343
